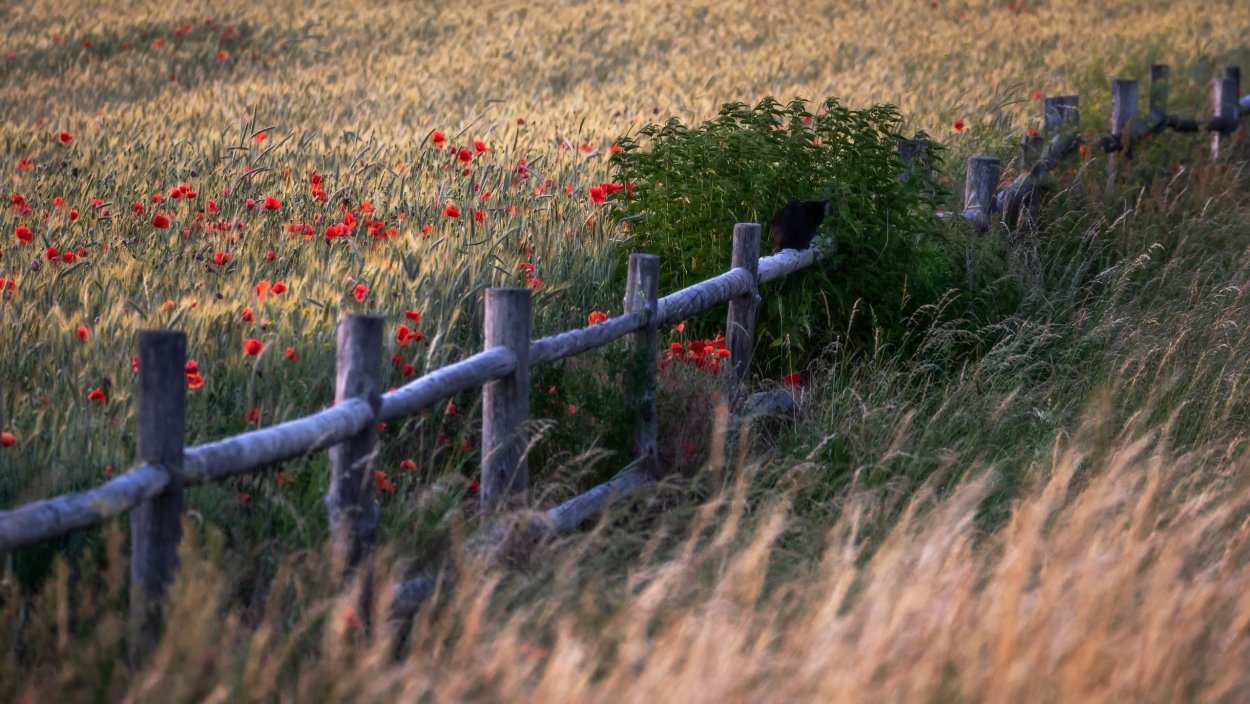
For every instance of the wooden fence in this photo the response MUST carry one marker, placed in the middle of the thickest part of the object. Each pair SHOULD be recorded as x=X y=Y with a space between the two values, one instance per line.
x=1060 y=137
x=164 y=469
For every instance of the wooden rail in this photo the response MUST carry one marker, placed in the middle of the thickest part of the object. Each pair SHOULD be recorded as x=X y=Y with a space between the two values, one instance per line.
x=153 y=488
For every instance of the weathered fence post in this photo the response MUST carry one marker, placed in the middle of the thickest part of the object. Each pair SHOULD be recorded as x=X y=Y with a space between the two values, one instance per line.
x=979 y=187
x=1224 y=103
x=156 y=524
x=1233 y=72
x=909 y=152
x=740 y=324
x=352 y=510
x=1124 y=95
x=1159 y=75
x=506 y=401
x=642 y=293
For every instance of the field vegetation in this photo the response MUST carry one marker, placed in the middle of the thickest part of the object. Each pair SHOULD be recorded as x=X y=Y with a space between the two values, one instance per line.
x=1028 y=485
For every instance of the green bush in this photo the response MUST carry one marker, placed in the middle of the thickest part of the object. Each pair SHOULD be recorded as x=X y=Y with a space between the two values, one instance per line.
x=689 y=186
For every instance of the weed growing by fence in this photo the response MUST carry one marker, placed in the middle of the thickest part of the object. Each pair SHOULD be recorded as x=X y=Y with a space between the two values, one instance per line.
x=687 y=186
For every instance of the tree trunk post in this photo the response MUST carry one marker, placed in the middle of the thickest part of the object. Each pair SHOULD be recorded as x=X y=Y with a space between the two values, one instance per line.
x=979 y=187
x=506 y=401
x=156 y=524
x=908 y=150
x=1124 y=95
x=1232 y=71
x=1159 y=76
x=352 y=510
x=642 y=293
x=1224 y=96
x=740 y=323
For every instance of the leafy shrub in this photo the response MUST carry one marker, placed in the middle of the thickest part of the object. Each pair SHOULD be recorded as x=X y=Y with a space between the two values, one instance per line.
x=689 y=186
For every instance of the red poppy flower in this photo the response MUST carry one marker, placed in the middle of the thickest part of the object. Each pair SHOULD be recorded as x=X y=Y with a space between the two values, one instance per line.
x=191 y=366
x=269 y=256
x=73 y=215
x=23 y=233
x=793 y=380
x=160 y=222
x=474 y=487
x=278 y=287
x=248 y=315
x=291 y=354
x=597 y=195
x=222 y=258
x=479 y=216
x=959 y=125
x=83 y=333
x=223 y=55
x=465 y=156
x=520 y=120
x=8 y=439
x=272 y=203
x=97 y=394
x=414 y=316
x=451 y=211
x=438 y=138
x=66 y=137
x=596 y=317
x=1037 y=95
x=51 y=253
x=408 y=465
x=254 y=415
x=479 y=146
x=195 y=380
x=403 y=335
x=69 y=257
x=260 y=136
x=250 y=204
x=252 y=346
x=360 y=293
x=383 y=484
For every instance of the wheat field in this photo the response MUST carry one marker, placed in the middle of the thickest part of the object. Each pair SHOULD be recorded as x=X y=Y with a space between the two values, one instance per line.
x=1041 y=497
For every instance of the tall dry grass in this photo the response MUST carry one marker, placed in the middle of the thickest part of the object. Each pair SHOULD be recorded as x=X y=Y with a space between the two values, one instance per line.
x=1122 y=582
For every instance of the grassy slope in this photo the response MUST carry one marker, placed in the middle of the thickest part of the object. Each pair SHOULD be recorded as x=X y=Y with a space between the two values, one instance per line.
x=1106 y=404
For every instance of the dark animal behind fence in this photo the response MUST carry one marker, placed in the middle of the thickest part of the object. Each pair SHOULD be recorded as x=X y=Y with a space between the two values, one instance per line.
x=795 y=225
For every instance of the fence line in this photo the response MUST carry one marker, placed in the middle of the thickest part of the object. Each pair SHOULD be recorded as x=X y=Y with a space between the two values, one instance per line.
x=164 y=468
x=1060 y=137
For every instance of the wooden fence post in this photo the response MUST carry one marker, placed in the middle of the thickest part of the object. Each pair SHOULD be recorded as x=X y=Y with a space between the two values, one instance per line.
x=1159 y=75
x=1124 y=95
x=1224 y=94
x=1233 y=72
x=1062 y=112
x=506 y=401
x=156 y=524
x=642 y=293
x=979 y=187
x=908 y=151
x=740 y=323
x=352 y=510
